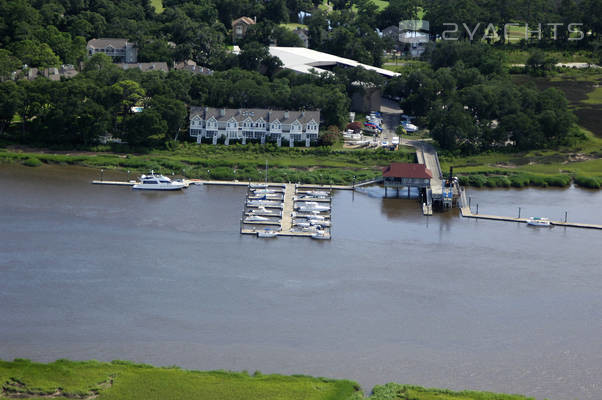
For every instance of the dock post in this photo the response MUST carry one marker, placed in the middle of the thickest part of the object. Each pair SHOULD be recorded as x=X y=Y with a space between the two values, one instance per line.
x=477 y=208
x=519 y=212
x=469 y=199
x=565 y=216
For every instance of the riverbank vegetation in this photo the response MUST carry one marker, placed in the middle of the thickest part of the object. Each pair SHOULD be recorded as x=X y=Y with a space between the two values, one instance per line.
x=243 y=162
x=125 y=380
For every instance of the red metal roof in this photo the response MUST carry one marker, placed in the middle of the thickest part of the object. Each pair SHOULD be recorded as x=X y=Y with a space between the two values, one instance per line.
x=406 y=170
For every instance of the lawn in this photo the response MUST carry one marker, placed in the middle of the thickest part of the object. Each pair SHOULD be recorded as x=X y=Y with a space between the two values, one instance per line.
x=158 y=5
x=292 y=26
x=125 y=380
x=521 y=56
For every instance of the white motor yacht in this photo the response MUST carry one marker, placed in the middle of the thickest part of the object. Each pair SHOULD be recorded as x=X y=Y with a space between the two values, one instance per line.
x=154 y=181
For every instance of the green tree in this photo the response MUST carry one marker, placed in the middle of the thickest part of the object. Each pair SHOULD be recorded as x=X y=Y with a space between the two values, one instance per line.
x=539 y=63
x=172 y=111
x=11 y=98
x=8 y=64
x=141 y=127
x=35 y=54
x=129 y=93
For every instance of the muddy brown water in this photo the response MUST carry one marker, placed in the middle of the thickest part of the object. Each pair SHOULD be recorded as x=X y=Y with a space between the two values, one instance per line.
x=165 y=278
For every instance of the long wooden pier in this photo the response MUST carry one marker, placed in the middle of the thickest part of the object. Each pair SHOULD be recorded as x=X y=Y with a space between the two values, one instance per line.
x=467 y=213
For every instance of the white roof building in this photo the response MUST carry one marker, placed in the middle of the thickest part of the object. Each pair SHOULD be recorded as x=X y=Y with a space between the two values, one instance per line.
x=303 y=60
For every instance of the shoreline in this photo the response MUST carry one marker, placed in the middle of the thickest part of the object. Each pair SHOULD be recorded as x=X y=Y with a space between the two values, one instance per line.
x=23 y=378
x=196 y=167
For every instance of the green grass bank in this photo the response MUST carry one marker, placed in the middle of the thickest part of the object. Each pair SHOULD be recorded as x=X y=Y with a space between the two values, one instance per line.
x=242 y=162
x=125 y=380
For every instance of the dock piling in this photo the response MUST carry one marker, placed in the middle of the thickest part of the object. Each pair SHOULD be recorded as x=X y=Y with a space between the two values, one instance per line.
x=519 y=212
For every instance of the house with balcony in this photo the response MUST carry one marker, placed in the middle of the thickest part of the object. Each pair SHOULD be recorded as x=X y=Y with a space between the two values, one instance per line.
x=254 y=124
x=120 y=50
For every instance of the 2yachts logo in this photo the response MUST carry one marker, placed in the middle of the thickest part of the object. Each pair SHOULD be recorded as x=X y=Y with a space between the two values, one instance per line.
x=417 y=31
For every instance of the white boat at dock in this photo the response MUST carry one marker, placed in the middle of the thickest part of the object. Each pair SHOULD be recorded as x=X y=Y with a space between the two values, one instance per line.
x=321 y=235
x=538 y=221
x=311 y=206
x=256 y=218
x=267 y=233
x=267 y=196
x=301 y=224
x=154 y=181
x=318 y=193
x=264 y=191
x=319 y=223
x=264 y=203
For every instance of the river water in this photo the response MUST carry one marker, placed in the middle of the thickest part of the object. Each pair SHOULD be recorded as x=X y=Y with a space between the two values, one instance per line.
x=165 y=278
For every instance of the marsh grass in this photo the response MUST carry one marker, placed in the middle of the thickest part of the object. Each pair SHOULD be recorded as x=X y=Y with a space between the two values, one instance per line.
x=126 y=380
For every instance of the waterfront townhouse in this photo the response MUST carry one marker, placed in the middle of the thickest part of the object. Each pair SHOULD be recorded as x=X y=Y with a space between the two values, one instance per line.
x=254 y=123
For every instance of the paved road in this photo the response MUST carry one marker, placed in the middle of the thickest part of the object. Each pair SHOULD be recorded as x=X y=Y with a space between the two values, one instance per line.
x=391 y=114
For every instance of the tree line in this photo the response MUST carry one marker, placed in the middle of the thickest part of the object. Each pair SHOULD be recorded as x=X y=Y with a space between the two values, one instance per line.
x=468 y=101
x=100 y=100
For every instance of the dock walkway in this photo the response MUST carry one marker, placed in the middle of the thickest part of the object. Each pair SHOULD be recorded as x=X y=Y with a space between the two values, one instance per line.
x=467 y=213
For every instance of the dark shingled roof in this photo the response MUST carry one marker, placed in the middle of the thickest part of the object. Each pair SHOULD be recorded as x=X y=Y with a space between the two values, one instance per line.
x=240 y=114
x=101 y=43
x=406 y=170
x=146 y=66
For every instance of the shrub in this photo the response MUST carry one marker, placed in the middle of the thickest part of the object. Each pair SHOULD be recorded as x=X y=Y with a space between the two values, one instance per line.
x=519 y=180
x=477 y=180
x=558 y=180
x=32 y=162
x=589 y=182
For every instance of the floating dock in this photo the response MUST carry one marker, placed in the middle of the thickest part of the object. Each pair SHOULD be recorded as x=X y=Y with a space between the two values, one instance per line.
x=285 y=226
x=467 y=213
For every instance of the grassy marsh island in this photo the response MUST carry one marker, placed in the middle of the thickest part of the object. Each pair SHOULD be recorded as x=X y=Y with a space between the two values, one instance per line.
x=126 y=380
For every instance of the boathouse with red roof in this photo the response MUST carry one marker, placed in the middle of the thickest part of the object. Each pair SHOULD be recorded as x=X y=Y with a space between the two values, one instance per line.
x=407 y=175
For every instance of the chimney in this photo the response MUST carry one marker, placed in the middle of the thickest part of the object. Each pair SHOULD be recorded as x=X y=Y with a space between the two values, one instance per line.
x=255 y=19
x=286 y=114
x=222 y=112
